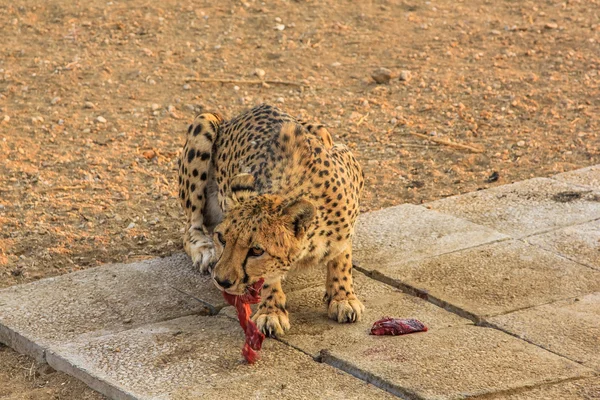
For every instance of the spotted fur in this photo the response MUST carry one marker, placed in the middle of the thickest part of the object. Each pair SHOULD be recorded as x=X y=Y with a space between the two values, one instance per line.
x=264 y=193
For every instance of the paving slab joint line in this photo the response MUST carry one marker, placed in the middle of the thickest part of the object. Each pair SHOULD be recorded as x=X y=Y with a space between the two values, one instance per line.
x=327 y=358
x=554 y=229
x=478 y=321
x=324 y=357
x=524 y=240
x=487 y=324
x=422 y=294
x=211 y=309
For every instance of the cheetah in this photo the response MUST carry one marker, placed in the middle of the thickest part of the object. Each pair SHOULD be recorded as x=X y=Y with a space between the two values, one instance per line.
x=264 y=193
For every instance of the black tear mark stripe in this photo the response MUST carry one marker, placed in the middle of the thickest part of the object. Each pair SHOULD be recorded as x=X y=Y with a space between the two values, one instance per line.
x=246 y=278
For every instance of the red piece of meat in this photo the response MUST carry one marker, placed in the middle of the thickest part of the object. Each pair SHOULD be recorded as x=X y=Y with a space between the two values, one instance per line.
x=254 y=338
x=397 y=326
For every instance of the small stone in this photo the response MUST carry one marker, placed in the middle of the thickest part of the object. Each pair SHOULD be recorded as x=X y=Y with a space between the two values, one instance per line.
x=405 y=76
x=149 y=154
x=279 y=27
x=87 y=130
x=6 y=118
x=101 y=119
x=130 y=226
x=551 y=25
x=280 y=100
x=495 y=32
x=55 y=100
x=236 y=88
x=336 y=64
x=521 y=143
x=155 y=107
x=171 y=108
x=382 y=75
x=260 y=72
x=89 y=104
x=187 y=86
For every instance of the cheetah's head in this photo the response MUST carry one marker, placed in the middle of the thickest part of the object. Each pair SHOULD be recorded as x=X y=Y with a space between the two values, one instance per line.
x=260 y=237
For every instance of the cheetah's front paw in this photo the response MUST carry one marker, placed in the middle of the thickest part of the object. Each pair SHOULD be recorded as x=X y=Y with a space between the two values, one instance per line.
x=347 y=310
x=203 y=256
x=272 y=324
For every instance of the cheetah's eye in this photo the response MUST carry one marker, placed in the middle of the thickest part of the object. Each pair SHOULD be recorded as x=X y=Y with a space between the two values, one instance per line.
x=221 y=238
x=255 y=251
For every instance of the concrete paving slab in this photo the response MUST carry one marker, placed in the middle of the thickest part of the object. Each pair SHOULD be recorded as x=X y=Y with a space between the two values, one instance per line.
x=303 y=279
x=200 y=357
x=580 y=389
x=570 y=328
x=579 y=243
x=589 y=176
x=313 y=331
x=494 y=279
x=97 y=301
x=452 y=363
x=525 y=208
x=410 y=232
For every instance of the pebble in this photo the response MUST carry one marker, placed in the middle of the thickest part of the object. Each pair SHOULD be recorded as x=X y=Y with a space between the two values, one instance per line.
x=259 y=72
x=171 y=108
x=87 y=130
x=521 y=143
x=280 y=100
x=495 y=32
x=551 y=25
x=279 y=27
x=55 y=100
x=155 y=107
x=336 y=64
x=381 y=75
x=101 y=119
x=6 y=118
x=405 y=76
x=130 y=226
x=187 y=86
x=89 y=104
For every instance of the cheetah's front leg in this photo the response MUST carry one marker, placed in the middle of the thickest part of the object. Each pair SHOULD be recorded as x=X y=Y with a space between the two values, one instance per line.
x=272 y=317
x=194 y=176
x=343 y=306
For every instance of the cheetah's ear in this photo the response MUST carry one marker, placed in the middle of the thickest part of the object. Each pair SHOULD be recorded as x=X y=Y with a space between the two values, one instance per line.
x=242 y=187
x=299 y=215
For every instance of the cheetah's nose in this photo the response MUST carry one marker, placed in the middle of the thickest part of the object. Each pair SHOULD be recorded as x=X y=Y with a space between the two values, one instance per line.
x=225 y=284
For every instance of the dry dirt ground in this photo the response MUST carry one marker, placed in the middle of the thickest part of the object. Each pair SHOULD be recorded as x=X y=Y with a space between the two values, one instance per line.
x=95 y=97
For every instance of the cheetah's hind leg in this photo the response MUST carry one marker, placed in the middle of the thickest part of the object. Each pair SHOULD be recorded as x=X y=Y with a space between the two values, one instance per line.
x=194 y=175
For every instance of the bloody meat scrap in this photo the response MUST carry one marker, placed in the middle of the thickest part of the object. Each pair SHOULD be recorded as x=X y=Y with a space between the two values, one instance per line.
x=254 y=338
x=397 y=326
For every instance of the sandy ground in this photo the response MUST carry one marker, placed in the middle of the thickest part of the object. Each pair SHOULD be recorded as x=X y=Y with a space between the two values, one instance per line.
x=95 y=97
